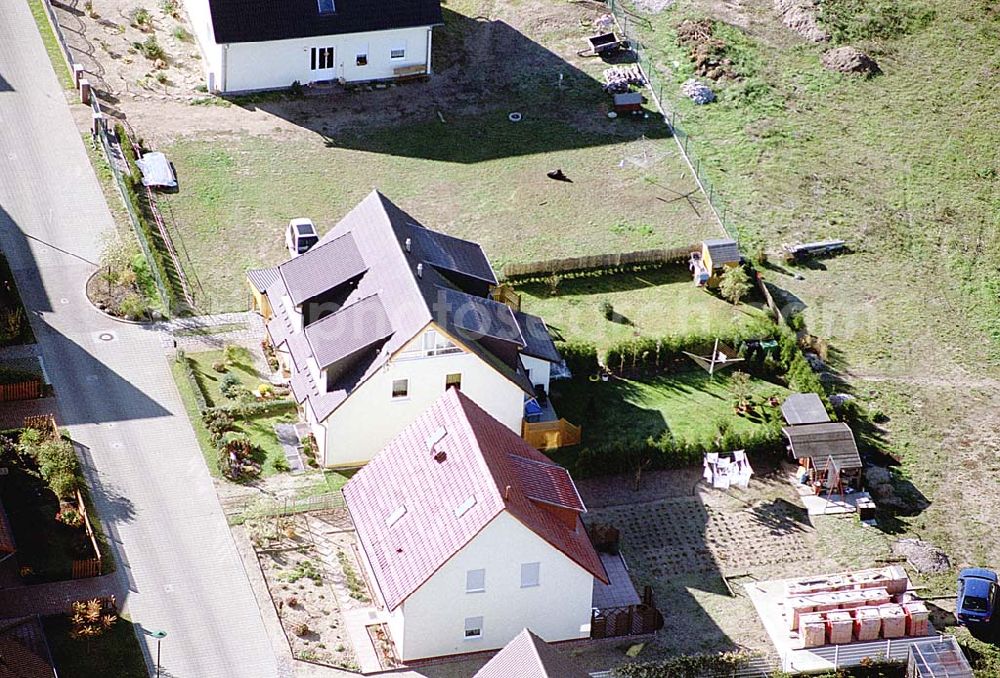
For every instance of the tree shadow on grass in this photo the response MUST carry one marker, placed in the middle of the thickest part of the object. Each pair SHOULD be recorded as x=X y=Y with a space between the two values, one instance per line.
x=473 y=100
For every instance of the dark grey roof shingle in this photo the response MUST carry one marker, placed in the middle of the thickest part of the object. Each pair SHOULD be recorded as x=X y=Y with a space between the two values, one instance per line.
x=537 y=339
x=723 y=251
x=350 y=329
x=819 y=441
x=322 y=268
x=804 y=408
x=452 y=254
x=476 y=317
x=263 y=20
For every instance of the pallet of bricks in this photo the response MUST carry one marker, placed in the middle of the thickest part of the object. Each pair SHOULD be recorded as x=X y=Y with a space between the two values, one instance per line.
x=853 y=606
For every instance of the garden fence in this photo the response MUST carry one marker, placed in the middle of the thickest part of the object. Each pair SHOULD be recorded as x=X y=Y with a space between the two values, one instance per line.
x=23 y=390
x=595 y=262
x=275 y=506
x=628 y=25
x=112 y=153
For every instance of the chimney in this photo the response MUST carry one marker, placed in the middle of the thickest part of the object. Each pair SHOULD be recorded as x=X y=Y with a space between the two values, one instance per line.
x=408 y=245
x=506 y=493
x=420 y=270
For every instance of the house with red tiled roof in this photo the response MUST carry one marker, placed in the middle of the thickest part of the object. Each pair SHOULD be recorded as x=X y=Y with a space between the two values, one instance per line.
x=383 y=315
x=468 y=535
x=528 y=656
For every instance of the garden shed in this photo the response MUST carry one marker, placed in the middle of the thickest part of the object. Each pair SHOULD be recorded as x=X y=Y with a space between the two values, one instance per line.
x=824 y=448
x=804 y=408
x=720 y=254
x=940 y=657
x=258 y=280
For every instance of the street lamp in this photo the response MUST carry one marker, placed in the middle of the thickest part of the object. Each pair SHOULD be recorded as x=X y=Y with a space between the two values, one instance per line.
x=159 y=635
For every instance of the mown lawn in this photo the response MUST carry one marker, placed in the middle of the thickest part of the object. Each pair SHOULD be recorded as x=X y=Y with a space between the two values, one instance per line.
x=691 y=405
x=652 y=303
x=259 y=427
x=116 y=654
x=470 y=172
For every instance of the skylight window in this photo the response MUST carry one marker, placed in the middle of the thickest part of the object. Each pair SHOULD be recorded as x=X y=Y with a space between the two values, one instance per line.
x=464 y=507
x=394 y=517
x=436 y=437
x=326 y=6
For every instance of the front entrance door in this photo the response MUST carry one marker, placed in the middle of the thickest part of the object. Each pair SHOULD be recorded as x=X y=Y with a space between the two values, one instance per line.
x=321 y=64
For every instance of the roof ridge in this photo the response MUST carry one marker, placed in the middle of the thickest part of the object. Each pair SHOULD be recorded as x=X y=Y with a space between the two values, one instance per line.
x=533 y=641
x=463 y=402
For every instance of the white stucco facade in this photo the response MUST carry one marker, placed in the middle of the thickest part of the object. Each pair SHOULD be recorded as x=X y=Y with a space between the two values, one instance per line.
x=248 y=66
x=539 y=371
x=432 y=621
x=371 y=416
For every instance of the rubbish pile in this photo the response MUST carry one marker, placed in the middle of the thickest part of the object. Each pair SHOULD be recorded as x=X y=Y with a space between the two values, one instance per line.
x=698 y=92
x=620 y=79
x=708 y=52
x=849 y=59
x=924 y=557
x=604 y=23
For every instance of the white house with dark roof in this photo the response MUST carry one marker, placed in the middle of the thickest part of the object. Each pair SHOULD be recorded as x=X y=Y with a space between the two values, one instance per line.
x=261 y=44
x=467 y=535
x=383 y=315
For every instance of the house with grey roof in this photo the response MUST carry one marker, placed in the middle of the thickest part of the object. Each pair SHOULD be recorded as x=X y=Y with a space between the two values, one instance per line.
x=380 y=317
x=251 y=45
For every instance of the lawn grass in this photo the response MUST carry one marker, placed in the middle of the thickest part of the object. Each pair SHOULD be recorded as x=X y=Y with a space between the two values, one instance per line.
x=653 y=303
x=691 y=405
x=51 y=44
x=326 y=482
x=116 y=654
x=210 y=380
x=259 y=427
x=188 y=398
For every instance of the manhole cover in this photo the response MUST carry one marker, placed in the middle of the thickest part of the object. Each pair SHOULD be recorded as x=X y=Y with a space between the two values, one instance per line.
x=106 y=336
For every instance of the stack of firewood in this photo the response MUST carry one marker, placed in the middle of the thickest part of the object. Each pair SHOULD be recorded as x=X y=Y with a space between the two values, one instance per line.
x=619 y=79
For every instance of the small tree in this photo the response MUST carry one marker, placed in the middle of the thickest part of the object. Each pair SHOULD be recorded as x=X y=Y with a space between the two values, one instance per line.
x=735 y=284
x=739 y=386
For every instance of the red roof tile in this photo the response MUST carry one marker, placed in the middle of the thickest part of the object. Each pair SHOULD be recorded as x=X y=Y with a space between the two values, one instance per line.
x=481 y=459
x=528 y=656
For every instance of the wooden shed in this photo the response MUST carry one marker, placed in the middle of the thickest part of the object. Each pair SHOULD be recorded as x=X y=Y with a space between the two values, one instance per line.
x=718 y=255
x=259 y=279
x=824 y=449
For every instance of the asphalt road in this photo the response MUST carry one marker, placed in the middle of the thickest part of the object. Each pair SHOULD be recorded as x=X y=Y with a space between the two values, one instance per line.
x=178 y=567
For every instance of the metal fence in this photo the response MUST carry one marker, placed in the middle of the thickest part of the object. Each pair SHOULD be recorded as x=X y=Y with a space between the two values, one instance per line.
x=629 y=25
x=267 y=507
x=111 y=147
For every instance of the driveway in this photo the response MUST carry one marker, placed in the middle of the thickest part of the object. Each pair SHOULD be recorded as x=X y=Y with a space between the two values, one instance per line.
x=179 y=570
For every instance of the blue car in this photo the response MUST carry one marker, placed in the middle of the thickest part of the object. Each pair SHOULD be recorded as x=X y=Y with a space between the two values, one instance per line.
x=977 y=595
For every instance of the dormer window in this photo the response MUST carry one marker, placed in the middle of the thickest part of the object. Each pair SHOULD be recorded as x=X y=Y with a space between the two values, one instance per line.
x=326 y=6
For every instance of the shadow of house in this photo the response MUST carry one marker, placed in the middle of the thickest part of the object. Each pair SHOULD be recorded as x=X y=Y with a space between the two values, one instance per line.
x=4 y=85
x=486 y=70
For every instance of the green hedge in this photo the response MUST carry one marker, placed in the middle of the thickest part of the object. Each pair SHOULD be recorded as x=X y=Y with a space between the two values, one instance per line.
x=133 y=191
x=10 y=376
x=199 y=395
x=664 y=452
x=580 y=357
x=686 y=666
x=667 y=353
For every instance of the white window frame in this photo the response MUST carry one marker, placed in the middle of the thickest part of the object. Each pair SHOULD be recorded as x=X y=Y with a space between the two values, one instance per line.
x=398 y=48
x=473 y=624
x=316 y=58
x=532 y=582
x=470 y=581
x=406 y=393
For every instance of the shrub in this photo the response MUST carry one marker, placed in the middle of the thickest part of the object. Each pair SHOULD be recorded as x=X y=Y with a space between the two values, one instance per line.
x=151 y=49
x=607 y=310
x=169 y=8
x=218 y=422
x=142 y=19
x=57 y=462
x=64 y=484
x=735 y=284
x=686 y=666
x=11 y=324
x=181 y=34
x=70 y=516
x=132 y=307
x=229 y=386
x=580 y=357
x=301 y=629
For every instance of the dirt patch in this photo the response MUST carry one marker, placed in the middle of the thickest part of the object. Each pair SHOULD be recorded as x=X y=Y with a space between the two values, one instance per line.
x=802 y=17
x=849 y=60
x=653 y=6
x=707 y=50
x=302 y=588
x=924 y=557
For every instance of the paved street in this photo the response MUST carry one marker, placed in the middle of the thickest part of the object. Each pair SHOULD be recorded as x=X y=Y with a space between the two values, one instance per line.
x=179 y=570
